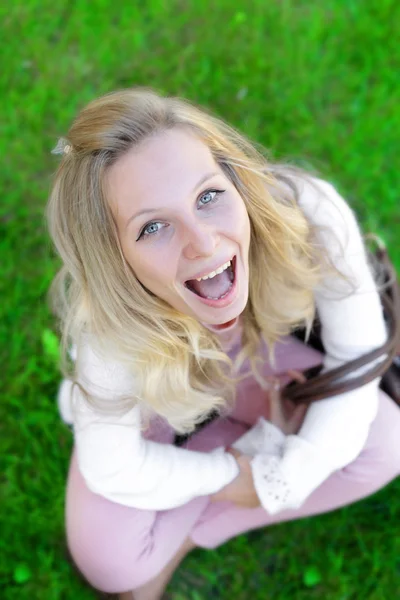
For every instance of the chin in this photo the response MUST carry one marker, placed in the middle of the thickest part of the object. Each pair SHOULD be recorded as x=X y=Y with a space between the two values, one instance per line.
x=211 y=316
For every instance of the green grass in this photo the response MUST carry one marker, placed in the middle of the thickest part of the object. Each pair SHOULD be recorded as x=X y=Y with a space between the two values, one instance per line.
x=315 y=82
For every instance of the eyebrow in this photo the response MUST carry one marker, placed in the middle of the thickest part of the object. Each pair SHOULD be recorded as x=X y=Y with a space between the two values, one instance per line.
x=153 y=210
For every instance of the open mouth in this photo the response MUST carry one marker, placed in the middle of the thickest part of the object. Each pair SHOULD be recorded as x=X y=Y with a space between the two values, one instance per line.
x=217 y=287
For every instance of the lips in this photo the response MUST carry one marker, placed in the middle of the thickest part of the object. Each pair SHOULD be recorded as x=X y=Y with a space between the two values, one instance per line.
x=204 y=274
x=215 y=288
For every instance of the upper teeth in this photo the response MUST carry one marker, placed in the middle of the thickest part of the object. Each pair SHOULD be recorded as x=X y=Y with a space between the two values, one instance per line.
x=216 y=272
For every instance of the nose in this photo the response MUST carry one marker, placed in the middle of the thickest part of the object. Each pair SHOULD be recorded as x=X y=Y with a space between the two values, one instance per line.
x=200 y=240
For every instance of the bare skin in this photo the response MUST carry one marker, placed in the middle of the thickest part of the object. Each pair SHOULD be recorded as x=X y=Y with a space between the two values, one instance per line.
x=240 y=491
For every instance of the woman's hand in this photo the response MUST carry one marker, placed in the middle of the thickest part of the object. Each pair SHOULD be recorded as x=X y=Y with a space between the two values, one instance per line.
x=288 y=418
x=241 y=490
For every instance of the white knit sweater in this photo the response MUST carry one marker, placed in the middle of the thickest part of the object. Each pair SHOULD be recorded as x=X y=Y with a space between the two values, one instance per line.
x=118 y=463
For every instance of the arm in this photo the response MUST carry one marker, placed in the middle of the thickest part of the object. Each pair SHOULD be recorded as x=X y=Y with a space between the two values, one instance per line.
x=334 y=430
x=119 y=464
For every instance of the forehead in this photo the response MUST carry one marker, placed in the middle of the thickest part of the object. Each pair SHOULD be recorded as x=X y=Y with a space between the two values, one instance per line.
x=165 y=167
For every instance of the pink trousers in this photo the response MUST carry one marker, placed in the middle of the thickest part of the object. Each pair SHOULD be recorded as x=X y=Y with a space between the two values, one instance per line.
x=118 y=548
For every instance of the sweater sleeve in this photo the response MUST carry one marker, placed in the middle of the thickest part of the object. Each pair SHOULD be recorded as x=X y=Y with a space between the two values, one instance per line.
x=117 y=462
x=334 y=430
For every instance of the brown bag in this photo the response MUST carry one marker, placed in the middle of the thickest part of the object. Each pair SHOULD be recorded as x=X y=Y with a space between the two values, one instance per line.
x=331 y=383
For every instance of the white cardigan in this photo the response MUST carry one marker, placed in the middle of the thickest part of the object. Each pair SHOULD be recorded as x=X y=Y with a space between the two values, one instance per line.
x=118 y=463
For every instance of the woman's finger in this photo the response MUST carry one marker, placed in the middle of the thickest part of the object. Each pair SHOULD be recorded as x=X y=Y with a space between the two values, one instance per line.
x=234 y=452
x=275 y=383
x=275 y=395
x=277 y=413
x=297 y=375
x=297 y=417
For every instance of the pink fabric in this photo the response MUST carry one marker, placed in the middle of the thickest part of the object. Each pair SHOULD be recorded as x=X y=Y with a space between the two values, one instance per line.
x=118 y=548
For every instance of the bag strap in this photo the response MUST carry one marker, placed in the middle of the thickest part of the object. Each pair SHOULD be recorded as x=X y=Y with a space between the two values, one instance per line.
x=331 y=383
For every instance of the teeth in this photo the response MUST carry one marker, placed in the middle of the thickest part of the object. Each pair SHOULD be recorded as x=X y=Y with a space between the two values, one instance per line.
x=216 y=272
x=223 y=295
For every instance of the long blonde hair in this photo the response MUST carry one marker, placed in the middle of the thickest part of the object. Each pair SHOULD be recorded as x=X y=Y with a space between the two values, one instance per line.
x=181 y=372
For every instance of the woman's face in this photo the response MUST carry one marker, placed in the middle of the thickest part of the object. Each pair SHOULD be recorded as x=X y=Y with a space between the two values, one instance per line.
x=179 y=219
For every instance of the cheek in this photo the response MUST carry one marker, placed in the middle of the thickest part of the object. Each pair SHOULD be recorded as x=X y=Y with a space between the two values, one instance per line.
x=154 y=263
x=242 y=222
x=152 y=271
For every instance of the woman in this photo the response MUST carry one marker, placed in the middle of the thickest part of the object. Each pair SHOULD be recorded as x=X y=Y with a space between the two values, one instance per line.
x=188 y=259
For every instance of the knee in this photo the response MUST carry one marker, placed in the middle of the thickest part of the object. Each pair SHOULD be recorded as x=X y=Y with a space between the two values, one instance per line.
x=111 y=545
x=387 y=437
x=379 y=461
x=115 y=571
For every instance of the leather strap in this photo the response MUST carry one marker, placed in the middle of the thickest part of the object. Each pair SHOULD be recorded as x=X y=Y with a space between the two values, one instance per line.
x=332 y=382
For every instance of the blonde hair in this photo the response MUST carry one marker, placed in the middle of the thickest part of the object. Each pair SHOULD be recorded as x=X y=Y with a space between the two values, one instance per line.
x=181 y=372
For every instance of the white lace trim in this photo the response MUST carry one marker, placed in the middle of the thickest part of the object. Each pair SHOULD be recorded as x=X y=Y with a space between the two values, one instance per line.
x=265 y=442
x=272 y=488
x=263 y=437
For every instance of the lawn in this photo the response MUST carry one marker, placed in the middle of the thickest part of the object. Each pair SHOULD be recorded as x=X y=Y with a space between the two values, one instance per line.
x=317 y=83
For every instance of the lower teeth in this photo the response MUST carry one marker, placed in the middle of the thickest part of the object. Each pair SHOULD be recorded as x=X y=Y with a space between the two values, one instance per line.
x=220 y=297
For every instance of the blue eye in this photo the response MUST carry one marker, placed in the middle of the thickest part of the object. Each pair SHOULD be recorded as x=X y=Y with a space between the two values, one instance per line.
x=208 y=193
x=149 y=228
